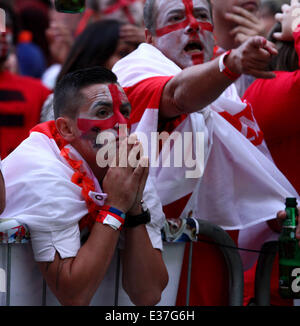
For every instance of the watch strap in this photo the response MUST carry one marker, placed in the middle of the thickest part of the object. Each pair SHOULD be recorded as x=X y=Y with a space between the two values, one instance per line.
x=132 y=221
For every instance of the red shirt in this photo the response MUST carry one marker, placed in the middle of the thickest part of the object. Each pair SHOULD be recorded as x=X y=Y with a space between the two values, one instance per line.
x=21 y=100
x=276 y=106
x=209 y=276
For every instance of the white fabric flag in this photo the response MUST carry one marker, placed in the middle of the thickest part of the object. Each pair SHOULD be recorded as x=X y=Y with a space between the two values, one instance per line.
x=41 y=195
x=39 y=189
x=240 y=186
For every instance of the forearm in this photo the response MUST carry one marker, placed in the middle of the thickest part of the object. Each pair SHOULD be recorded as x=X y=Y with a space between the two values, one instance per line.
x=198 y=86
x=75 y=280
x=144 y=272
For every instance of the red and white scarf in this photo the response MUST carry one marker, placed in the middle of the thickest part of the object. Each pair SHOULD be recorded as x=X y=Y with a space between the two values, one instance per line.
x=80 y=177
x=59 y=186
x=50 y=186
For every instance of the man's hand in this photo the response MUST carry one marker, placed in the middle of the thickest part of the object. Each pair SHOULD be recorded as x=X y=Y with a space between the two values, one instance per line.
x=252 y=58
x=132 y=34
x=136 y=208
x=289 y=19
x=124 y=184
x=137 y=154
x=281 y=216
x=248 y=24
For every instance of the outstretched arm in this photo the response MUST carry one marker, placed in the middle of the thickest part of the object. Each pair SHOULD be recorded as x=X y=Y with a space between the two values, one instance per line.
x=196 y=87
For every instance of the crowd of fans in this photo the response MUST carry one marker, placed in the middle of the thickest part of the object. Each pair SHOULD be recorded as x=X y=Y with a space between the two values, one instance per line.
x=42 y=46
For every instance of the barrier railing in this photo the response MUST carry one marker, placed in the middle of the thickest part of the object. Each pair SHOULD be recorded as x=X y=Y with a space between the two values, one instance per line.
x=21 y=282
x=189 y=230
x=263 y=273
x=16 y=257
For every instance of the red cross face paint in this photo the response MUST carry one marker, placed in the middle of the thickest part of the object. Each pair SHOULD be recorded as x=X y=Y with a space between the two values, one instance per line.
x=184 y=31
x=108 y=108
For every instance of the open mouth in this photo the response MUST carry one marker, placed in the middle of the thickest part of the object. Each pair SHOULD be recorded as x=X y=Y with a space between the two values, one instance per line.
x=193 y=47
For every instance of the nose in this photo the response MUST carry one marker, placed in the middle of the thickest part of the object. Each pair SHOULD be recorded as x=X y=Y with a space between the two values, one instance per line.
x=122 y=120
x=193 y=25
x=122 y=126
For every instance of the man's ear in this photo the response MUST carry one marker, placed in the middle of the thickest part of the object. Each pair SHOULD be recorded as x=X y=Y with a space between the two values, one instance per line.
x=65 y=127
x=149 y=36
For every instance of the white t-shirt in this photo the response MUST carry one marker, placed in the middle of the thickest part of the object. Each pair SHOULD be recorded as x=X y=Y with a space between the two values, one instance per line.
x=50 y=75
x=41 y=195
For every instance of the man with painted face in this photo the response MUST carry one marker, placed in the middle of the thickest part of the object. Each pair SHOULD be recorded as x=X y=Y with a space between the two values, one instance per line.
x=61 y=192
x=173 y=85
x=183 y=31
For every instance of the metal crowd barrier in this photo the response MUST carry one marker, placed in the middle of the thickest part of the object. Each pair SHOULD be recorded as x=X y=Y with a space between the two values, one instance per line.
x=16 y=260
x=262 y=287
x=263 y=272
x=21 y=282
x=189 y=230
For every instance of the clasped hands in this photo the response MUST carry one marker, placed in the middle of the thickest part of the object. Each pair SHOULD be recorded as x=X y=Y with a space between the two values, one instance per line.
x=125 y=182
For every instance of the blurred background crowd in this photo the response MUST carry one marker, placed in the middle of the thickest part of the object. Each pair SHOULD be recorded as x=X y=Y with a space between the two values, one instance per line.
x=45 y=44
x=41 y=45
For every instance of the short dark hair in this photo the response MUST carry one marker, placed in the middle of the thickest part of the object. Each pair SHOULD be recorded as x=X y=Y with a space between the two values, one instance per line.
x=150 y=14
x=93 y=47
x=67 y=96
x=287 y=58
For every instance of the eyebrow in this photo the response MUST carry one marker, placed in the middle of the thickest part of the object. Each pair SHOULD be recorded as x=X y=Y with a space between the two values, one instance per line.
x=181 y=11
x=110 y=105
x=176 y=11
x=101 y=103
x=203 y=9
